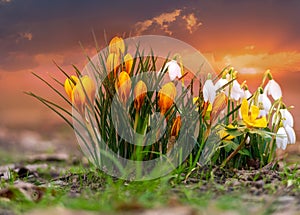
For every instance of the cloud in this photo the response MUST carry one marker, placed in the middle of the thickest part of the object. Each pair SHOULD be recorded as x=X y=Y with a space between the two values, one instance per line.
x=167 y=21
x=256 y=63
x=5 y=1
x=24 y=36
x=192 y=22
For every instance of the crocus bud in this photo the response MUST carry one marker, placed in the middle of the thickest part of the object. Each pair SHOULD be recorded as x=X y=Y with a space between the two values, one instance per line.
x=78 y=98
x=112 y=63
x=116 y=45
x=83 y=93
x=69 y=85
x=166 y=97
x=128 y=62
x=123 y=86
x=219 y=104
x=176 y=126
x=140 y=91
x=89 y=87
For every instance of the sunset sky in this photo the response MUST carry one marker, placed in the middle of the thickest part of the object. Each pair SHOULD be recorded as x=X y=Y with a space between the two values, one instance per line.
x=252 y=36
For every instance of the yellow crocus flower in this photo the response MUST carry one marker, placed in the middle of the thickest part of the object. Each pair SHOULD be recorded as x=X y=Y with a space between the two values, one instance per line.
x=166 y=97
x=69 y=85
x=128 y=62
x=83 y=92
x=140 y=91
x=251 y=118
x=123 y=86
x=116 y=45
x=112 y=63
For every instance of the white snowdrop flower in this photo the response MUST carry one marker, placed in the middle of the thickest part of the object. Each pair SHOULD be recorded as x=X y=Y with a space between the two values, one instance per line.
x=262 y=113
x=291 y=136
x=220 y=83
x=275 y=119
x=272 y=88
x=286 y=117
x=236 y=91
x=174 y=69
x=209 y=91
x=281 y=138
x=246 y=94
x=264 y=101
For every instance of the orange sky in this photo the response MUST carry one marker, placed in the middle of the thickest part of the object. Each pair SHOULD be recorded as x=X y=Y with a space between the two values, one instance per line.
x=252 y=36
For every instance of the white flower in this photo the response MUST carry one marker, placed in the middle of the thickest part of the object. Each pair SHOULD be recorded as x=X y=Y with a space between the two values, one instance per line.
x=246 y=94
x=209 y=91
x=285 y=135
x=174 y=69
x=262 y=113
x=236 y=91
x=291 y=136
x=220 y=83
x=281 y=138
x=272 y=88
x=264 y=101
x=286 y=117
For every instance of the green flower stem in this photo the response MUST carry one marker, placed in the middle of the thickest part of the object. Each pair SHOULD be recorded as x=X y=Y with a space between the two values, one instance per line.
x=235 y=151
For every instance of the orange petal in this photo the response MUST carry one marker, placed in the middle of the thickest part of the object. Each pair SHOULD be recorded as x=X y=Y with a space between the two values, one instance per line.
x=140 y=91
x=128 y=61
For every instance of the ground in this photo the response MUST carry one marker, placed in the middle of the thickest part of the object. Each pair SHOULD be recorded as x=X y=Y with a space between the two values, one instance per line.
x=59 y=180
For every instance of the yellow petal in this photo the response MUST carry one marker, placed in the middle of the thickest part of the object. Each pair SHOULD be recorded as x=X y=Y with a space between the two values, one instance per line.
x=254 y=112
x=140 y=91
x=128 y=61
x=78 y=98
x=112 y=63
x=123 y=86
x=260 y=123
x=70 y=84
x=89 y=87
x=166 y=97
x=245 y=110
x=116 y=45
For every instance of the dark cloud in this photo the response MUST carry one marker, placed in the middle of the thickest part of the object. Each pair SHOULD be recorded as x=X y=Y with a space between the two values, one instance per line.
x=33 y=27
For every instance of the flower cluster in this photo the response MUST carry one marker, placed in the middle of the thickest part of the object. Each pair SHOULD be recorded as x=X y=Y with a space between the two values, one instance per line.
x=262 y=120
x=235 y=124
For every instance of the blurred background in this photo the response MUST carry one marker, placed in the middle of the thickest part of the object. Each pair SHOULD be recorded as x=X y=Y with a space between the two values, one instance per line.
x=251 y=36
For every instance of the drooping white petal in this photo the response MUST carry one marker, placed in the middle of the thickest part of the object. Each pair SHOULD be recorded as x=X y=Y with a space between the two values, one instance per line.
x=272 y=88
x=291 y=136
x=236 y=91
x=247 y=94
x=264 y=101
x=286 y=117
x=275 y=119
x=209 y=91
x=262 y=113
x=281 y=138
x=220 y=83
x=174 y=69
